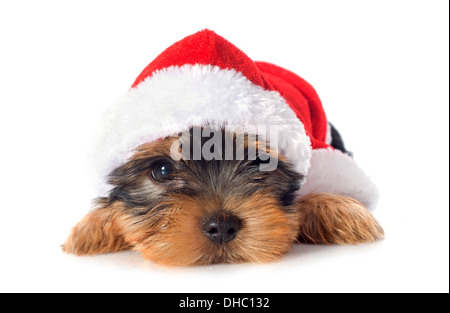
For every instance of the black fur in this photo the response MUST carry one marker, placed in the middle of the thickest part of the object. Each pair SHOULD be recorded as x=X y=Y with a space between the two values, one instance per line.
x=222 y=179
x=337 y=142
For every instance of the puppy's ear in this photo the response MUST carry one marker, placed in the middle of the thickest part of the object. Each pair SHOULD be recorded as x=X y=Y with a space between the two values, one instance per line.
x=98 y=232
x=333 y=219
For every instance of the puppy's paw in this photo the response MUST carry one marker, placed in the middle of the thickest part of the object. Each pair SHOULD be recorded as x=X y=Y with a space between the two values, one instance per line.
x=97 y=232
x=333 y=219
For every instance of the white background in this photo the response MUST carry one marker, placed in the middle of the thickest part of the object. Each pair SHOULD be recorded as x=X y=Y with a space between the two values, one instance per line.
x=380 y=67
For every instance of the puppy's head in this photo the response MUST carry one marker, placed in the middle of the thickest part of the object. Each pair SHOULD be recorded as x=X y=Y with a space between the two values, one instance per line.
x=196 y=209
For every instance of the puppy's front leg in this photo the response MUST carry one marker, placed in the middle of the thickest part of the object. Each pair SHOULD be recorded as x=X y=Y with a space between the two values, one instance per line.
x=99 y=231
x=333 y=219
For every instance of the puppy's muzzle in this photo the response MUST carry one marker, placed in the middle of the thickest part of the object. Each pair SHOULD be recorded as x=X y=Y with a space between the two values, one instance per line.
x=221 y=227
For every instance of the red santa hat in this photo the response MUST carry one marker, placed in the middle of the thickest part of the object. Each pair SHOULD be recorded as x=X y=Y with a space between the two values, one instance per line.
x=203 y=77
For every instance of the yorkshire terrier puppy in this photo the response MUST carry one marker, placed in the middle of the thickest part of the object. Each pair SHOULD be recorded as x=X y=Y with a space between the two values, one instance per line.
x=214 y=211
x=183 y=191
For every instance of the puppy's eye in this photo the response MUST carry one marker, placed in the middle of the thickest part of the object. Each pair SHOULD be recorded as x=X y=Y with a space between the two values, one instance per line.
x=162 y=171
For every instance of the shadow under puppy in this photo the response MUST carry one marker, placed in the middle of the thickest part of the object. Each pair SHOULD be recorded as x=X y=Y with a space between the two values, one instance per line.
x=197 y=210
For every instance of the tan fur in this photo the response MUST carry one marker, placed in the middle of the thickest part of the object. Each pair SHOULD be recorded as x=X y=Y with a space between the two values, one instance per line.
x=333 y=219
x=98 y=232
x=266 y=234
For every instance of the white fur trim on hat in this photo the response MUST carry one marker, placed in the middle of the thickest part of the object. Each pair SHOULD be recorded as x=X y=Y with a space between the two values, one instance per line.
x=335 y=172
x=172 y=99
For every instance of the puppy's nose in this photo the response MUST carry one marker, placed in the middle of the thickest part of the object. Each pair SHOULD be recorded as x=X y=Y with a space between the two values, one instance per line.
x=221 y=227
